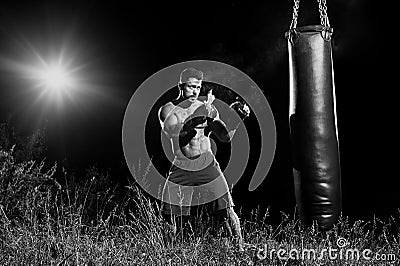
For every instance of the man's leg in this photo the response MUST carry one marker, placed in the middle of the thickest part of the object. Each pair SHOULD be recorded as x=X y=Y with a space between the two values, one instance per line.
x=170 y=228
x=232 y=224
x=177 y=225
x=225 y=205
x=175 y=209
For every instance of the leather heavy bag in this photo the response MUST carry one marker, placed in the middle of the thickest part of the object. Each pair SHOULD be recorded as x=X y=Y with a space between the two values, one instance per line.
x=313 y=129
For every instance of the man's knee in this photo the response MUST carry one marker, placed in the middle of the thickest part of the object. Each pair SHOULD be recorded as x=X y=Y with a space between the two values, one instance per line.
x=176 y=221
x=228 y=213
x=168 y=218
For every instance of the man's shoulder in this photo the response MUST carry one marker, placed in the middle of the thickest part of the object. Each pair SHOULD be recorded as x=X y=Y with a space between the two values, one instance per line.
x=165 y=110
x=168 y=105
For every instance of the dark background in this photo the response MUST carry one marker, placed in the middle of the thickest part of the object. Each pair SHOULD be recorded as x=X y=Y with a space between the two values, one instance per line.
x=122 y=43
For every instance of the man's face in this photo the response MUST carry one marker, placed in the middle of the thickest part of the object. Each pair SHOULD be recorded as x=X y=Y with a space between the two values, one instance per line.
x=191 y=89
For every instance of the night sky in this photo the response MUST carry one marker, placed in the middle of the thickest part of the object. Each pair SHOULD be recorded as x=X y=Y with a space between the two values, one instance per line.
x=122 y=43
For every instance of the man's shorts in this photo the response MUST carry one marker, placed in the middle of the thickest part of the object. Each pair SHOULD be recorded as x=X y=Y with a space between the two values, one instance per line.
x=195 y=182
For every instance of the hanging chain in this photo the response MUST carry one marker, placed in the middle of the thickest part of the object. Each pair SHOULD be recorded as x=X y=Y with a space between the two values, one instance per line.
x=322 y=13
x=293 y=24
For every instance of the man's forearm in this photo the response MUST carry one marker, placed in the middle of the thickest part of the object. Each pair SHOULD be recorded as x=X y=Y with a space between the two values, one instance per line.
x=188 y=132
x=186 y=136
x=219 y=129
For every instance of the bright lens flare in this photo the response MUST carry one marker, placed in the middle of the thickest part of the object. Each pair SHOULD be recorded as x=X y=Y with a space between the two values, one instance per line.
x=55 y=78
x=51 y=74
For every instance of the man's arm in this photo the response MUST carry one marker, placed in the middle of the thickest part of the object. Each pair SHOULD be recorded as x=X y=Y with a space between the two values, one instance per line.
x=168 y=119
x=218 y=127
x=164 y=111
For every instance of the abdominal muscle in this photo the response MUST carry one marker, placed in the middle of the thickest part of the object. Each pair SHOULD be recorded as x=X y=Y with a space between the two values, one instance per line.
x=198 y=145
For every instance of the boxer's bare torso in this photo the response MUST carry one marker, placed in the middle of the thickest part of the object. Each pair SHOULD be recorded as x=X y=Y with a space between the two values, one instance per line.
x=175 y=118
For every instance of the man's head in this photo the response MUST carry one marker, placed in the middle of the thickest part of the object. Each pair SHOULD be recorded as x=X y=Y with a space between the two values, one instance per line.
x=190 y=83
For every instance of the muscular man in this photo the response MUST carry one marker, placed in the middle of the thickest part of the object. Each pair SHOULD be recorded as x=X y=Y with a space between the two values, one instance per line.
x=188 y=124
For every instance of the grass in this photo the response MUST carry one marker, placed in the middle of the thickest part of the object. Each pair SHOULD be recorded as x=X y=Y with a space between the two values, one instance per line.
x=47 y=226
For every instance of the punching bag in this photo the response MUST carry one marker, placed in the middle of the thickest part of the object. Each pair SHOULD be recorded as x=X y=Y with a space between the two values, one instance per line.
x=312 y=118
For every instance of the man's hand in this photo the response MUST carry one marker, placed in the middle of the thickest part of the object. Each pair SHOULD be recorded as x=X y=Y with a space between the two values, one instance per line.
x=208 y=103
x=191 y=123
x=206 y=112
x=233 y=122
x=242 y=109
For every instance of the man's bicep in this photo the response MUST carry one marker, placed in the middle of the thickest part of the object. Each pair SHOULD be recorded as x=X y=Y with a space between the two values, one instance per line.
x=165 y=111
x=171 y=124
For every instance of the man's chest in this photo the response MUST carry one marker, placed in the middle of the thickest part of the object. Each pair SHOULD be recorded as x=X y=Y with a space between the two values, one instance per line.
x=184 y=113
